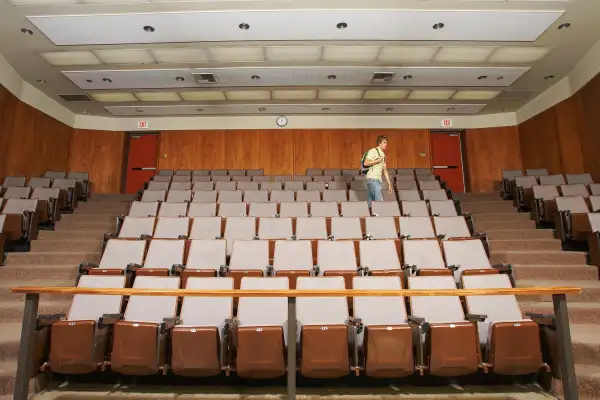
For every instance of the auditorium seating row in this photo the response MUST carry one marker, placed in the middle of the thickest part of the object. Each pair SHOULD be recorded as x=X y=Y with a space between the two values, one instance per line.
x=309 y=172
x=512 y=180
x=524 y=193
x=76 y=184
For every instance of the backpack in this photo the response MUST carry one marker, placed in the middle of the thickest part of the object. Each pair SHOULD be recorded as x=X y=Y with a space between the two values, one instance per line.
x=363 y=169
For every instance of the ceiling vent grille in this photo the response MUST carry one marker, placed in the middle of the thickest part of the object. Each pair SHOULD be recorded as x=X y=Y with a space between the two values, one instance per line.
x=75 y=98
x=205 y=78
x=383 y=77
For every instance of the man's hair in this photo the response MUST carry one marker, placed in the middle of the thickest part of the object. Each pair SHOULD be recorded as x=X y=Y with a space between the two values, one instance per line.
x=381 y=139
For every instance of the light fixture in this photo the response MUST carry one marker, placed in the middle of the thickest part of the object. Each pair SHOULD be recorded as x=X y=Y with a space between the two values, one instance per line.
x=139 y=110
x=255 y=77
x=149 y=28
x=406 y=77
x=500 y=78
x=389 y=109
x=548 y=77
x=439 y=25
x=342 y=25
x=325 y=109
x=262 y=109
x=450 y=109
x=41 y=81
x=26 y=31
x=180 y=79
x=482 y=77
x=89 y=81
x=564 y=26
x=331 y=77
x=85 y=112
x=107 y=80
x=244 y=26
x=199 y=109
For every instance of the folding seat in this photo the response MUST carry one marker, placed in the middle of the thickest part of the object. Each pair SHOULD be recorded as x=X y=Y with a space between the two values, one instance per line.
x=302 y=178
x=153 y=185
x=241 y=178
x=426 y=177
x=311 y=228
x=248 y=258
x=239 y=209
x=140 y=340
x=594 y=189
x=343 y=179
x=119 y=257
x=385 y=209
x=338 y=258
x=201 y=172
x=388 y=196
x=552 y=180
x=536 y=172
x=143 y=209
x=451 y=227
x=80 y=343
x=293 y=209
x=229 y=196
x=405 y=178
x=202 y=178
x=358 y=185
x=584 y=179
x=387 y=340
x=55 y=174
x=221 y=178
x=315 y=186
x=406 y=185
x=137 y=228
x=293 y=258
x=162 y=257
x=14 y=181
x=594 y=237
x=263 y=209
x=416 y=228
x=314 y=171
x=154 y=195
x=256 y=196
x=39 y=182
x=523 y=191
x=574 y=190
x=278 y=196
x=343 y=228
x=237 y=172
x=172 y=228
x=544 y=204
x=282 y=178
x=335 y=195
x=21 y=219
x=324 y=331
x=179 y=196
x=239 y=228
x=508 y=182
x=358 y=195
x=181 y=185
x=165 y=172
x=594 y=202
x=247 y=185
x=270 y=228
x=324 y=209
x=2 y=236
x=443 y=208
x=448 y=343
x=17 y=192
x=423 y=171
x=173 y=210
x=355 y=209
x=337 y=185
x=261 y=178
x=225 y=185
x=409 y=195
x=205 y=258
x=380 y=257
x=511 y=342
x=468 y=257
x=207 y=228
x=271 y=185
x=414 y=209
x=332 y=171
x=324 y=178
x=51 y=201
x=205 y=196
x=424 y=257
x=436 y=194
x=429 y=185
x=350 y=172
x=405 y=171
x=199 y=341
x=359 y=178
x=293 y=185
x=161 y=179
x=218 y=172
x=183 y=172
x=381 y=228
x=83 y=179
x=308 y=195
x=255 y=172
x=571 y=221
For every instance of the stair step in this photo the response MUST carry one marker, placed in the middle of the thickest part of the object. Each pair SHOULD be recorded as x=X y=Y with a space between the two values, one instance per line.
x=13 y=311
x=525 y=244
x=36 y=271
x=539 y=257
x=83 y=245
x=505 y=234
x=590 y=289
x=81 y=217
x=556 y=273
x=579 y=313
x=486 y=207
x=6 y=285
x=53 y=258
x=494 y=217
x=85 y=226
x=484 y=226
x=71 y=235
x=477 y=197
x=586 y=344
x=588 y=382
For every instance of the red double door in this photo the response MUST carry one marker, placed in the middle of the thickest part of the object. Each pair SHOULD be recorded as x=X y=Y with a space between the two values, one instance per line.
x=446 y=159
x=142 y=159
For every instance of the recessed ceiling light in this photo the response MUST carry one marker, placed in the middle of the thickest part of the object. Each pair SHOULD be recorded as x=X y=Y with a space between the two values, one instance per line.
x=482 y=77
x=255 y=77
x=342 y=25
x=331 y=77
x=325 y=109
x=439 y=25
x=262 y=109
x=450 y=109
x=26 y=31
x=564 y=26
x=85 y=112
x=500 y=78
x=406 y=77
x=389 y=109
x=180 y=79
x=89 y=81
x=41 y=81
x=549 y=77
x=199 y=109
x=107 y=80
x=139 y=111
x=243 y=26
x=149 y=28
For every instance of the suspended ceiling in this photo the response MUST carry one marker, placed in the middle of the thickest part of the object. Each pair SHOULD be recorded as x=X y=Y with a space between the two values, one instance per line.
x=441 y=57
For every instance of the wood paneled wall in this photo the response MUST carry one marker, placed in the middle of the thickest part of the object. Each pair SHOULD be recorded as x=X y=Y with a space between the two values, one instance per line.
x=288 y=151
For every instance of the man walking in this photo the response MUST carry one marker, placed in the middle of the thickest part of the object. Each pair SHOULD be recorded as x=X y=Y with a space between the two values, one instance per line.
x=375 y=160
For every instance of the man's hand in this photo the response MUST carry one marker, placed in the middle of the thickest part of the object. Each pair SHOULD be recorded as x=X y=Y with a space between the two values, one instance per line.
x=390 y=189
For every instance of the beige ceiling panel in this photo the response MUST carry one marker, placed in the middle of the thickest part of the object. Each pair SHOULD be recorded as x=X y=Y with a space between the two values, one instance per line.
x=293 y=53
x=237 y=54
x=124 y=56
x=294 y=94
x=391 y=94
x=430 y=94
x=476 y=94
x=158 y=96
x=181 y=55
x=407 y=53
x=464 y=53
x=203 y=96
x=61 y=58
x=243 y=95
x=350 y=53
x=113 y=97
x=519 y=54
x=340 y=94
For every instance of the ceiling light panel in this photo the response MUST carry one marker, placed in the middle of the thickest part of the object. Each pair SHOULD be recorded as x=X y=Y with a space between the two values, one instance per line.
x=294 y=94
x=340 y=94
x=350 y=53
x=430 y=94
x=300 y=25
x=519 y=54
x=407 y=53
x=42 y=2
x=237 y=54
x=293 y=53
x=61 y=58
x=203 y=96
x=169 y=56
x=116 y=97
x=476 y=94
x=244 y=95
x=158 y=96
x=464 y=54
x=124 y=56
x=385 y=94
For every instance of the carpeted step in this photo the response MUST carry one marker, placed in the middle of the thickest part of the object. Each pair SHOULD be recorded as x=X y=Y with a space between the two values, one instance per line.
x=71 y=235
x=13 y=311
x=86 y=226
x=588 y=382
x=8 y=371
x=556 y=273
x=7 y=285
x=590 y=289
x=10 y=335
x=488 y=207
x=579 y=313
x=525 y=244
x=80 y=217
x=53 y=258
x=469 y=197
x=539 y=257
x=116 y=198
x=494 y=217
x=504 y=234
x=484 y=226
x=49 y=245
x=586 y=344
x=38 y=271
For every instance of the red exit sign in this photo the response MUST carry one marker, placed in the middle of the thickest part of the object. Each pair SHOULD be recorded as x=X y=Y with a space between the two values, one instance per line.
x=142 y=125
x=446 y=122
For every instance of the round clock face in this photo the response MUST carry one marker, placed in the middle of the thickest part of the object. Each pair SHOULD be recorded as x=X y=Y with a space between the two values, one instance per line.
x=282 y=121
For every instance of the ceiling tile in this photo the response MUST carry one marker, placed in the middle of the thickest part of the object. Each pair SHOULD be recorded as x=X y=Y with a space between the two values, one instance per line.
x=294 y=94
x=113 y=97
x=350 y=53
x=385 y=94
x=124 y=56
x=464 y=53
x=60 y=58
x=167 y=56
x=237 y=54
x=430 y=94
x=519 y=54
x=203 y=95
x=293 y=53
x=476 y=94
x=158 y=96
x=41 y=2
x=407 y=53
x=340 y=94
x=237 y=95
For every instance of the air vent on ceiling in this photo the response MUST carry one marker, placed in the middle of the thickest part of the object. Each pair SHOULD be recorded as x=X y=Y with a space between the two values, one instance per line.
x=205 y=78
x=383 y=77
x=74 y=98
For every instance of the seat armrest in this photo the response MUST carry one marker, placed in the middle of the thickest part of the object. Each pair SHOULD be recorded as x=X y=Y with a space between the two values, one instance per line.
x=416 y=320
x=177 y=268
x=503 y=267
x=542 y=319
x=270 y=271
x=476 y=317
x=168 y=324
x=412 y=267
x=357 y=322
x=404 y=236
x=480 y=235
x=86 y=267
x=145 y=237
x=363 y=271
x=316 y=270
x=109 y=319
x=132 y=267
x=48 y=319
x=184 y=237
x=223 y=270
x=453 y=267
x=440 y=236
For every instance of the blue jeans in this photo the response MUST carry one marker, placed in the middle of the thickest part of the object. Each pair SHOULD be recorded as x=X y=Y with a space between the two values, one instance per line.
x=374 y=191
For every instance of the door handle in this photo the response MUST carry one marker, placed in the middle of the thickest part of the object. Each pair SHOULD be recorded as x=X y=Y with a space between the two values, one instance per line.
x=445 y=166
x=144 y=169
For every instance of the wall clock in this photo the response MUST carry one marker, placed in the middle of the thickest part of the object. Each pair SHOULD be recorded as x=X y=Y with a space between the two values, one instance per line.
x=282 y=121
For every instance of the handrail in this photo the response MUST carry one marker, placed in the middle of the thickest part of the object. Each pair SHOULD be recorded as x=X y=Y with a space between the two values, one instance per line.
x=535 y=291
